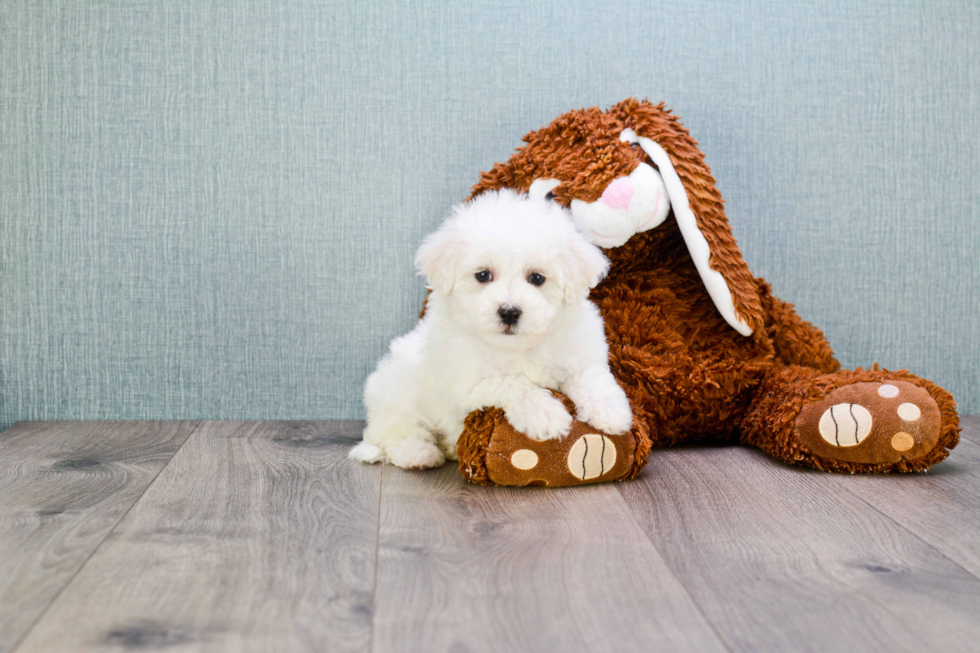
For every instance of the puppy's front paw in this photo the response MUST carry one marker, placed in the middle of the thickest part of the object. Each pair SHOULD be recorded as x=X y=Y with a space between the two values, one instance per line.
x=448 y=450
x=413 y=453
x=540 y=417
x=609 y=414
x=365 y=452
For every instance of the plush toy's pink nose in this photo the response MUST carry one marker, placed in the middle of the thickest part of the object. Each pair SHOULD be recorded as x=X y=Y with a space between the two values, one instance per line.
x=618 y=194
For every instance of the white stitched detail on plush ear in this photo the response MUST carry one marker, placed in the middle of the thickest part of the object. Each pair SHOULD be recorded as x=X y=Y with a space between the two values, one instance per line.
x=700 y=251
x=437 y=257
x=541 y=187
x=583 y=267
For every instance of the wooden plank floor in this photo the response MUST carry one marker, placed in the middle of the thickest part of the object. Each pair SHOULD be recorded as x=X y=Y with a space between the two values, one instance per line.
x=262 y=536
x=64 y=486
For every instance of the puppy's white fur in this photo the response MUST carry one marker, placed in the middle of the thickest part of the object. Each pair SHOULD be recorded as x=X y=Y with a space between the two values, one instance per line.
x=462 y=357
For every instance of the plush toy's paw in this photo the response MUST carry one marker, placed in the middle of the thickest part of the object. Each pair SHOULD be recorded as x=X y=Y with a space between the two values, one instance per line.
x=610 y=414
x=871 y=422
x=492 y=451
x=365 y=452
x=414 y=453
x=540 y=416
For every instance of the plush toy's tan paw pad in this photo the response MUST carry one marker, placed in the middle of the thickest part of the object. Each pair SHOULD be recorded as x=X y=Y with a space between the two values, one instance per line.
x=591 y=456
x=524 y=459
x=583 y=456
x=871 y=423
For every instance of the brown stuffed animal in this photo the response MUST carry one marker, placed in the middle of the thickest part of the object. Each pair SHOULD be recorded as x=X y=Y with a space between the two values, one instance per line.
x=702 y=348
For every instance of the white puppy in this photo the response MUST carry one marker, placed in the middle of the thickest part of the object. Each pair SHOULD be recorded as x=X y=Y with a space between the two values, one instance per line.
x=507 y=319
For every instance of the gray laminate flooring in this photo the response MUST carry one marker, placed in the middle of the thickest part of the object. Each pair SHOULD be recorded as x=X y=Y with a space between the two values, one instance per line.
x=230 y=536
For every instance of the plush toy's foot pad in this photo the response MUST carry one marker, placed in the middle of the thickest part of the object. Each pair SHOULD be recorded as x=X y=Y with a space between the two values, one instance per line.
x=871 y=422
x=491 y=451
x=582 y=456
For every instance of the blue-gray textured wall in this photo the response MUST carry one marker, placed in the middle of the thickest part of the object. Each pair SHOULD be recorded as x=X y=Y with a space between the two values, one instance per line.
x=209 y=209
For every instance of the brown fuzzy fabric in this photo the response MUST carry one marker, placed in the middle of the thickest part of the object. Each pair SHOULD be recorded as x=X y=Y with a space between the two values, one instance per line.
x=770 y=421
x=689 y=375
x=472 y=445
x=488 y=444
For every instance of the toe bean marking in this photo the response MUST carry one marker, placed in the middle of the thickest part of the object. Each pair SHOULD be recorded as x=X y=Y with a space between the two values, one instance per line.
x=909 y=412
x=888 y=391
x=591 y=456
x=524 y=459
x=845 y=425
x=902 y=441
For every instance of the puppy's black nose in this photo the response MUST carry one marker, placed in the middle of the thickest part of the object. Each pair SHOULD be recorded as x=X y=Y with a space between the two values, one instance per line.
x=509 y=314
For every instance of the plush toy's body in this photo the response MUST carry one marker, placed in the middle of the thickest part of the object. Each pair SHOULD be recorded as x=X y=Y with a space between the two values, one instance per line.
x=702 y=348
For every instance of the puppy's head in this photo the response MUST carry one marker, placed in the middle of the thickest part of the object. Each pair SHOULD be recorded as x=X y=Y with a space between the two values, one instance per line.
x=625 y=172
x=505 y=265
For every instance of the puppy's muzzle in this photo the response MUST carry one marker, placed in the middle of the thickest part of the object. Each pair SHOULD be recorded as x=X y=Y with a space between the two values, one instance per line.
x=509 y=315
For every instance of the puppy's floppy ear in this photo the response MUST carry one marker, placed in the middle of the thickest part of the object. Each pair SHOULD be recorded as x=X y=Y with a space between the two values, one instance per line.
x=583 y=266
x=438 y=255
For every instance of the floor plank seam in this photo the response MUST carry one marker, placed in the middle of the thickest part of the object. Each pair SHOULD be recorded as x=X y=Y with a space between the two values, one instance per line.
x=95 y=549
x=377 y=554
x=966 y=431
x=915 y=535
x=673 y=573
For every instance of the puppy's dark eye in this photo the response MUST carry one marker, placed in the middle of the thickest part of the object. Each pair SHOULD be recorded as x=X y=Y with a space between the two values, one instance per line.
x=550 y=196
x=484 y=276
x=535 y=279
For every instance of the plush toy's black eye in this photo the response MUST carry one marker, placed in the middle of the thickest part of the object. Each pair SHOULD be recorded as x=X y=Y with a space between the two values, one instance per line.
x=484 y=276
x=535 y=279
x=550 y=196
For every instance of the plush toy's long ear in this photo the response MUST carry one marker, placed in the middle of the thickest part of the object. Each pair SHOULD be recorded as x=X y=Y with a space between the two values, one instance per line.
x=698 y=209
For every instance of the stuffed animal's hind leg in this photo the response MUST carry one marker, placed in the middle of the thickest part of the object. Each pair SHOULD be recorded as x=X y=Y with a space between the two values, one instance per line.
x=852 y=420
x=796 y=341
